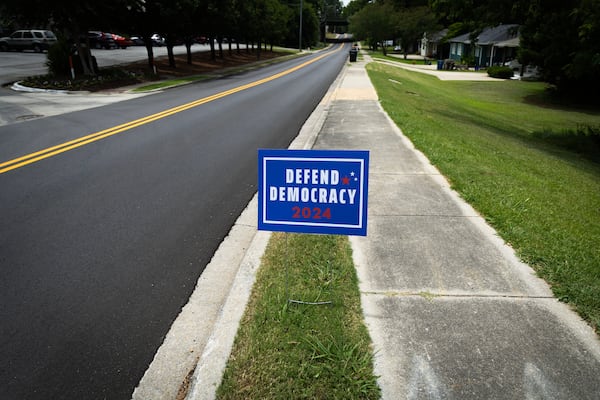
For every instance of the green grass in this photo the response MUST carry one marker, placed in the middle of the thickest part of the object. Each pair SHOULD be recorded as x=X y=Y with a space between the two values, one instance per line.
x=531 y=167
x=398 y=58
x=298 y=351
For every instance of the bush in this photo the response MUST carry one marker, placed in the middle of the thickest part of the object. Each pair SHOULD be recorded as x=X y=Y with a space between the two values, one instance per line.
x=58 y=58
x=500 y=72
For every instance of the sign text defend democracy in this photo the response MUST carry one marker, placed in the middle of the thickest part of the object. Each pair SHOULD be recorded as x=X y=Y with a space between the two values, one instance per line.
x=320 y=195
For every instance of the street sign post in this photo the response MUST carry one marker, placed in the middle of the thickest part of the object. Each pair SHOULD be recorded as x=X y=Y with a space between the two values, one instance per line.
x=313 y=191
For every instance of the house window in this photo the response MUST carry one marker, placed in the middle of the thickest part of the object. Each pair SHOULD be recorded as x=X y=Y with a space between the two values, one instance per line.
x=459 y=49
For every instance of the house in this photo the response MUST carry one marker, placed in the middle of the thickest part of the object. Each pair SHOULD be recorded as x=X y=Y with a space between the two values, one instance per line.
x=432 y=46
x=506 y=50
x=494 y=45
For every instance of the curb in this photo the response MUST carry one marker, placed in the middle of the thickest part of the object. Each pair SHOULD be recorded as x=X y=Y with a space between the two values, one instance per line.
x=21 y=88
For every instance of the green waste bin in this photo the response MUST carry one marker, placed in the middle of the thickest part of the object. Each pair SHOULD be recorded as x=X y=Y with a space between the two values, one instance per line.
x=353 y=55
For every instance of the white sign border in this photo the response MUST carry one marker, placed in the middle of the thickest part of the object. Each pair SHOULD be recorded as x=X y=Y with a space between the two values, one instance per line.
x=326 y=159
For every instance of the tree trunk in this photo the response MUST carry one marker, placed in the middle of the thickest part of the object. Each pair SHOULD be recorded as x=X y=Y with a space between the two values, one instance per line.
x=213 y=55
x=188 y=50
x=170 y=54
x=150 y=52
x=85 y=56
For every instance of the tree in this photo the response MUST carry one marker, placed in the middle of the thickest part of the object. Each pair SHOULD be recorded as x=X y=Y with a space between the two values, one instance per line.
x=564 y=41
x=375 y=23
x=412 y=23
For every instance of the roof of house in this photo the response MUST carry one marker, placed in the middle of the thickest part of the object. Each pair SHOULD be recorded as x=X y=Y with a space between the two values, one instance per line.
x=436 y=36
x=490 y=35
x=514 y=42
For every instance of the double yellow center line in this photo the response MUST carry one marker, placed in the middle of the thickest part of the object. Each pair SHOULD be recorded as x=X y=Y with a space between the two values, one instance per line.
x=82 y=141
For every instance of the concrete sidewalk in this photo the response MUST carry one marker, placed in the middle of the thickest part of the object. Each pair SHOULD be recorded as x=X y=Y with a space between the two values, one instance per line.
x=452 y=312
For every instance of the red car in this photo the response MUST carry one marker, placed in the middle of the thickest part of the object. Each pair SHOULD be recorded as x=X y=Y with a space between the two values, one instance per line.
x=121 y=41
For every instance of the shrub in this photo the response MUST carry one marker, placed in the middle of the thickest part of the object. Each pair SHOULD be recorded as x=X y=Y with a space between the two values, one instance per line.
x=58 y=58
x=500 y=72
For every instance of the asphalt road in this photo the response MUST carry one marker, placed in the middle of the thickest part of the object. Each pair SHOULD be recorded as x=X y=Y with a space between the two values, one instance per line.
x=102 y=243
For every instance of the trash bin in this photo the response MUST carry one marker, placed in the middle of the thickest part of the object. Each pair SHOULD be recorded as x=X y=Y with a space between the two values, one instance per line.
x=353 y=55
x=440 y=65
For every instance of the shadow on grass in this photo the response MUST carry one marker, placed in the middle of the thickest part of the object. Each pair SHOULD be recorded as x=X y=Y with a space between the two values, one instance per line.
x=581 y=142
x=584 y=141
x=550 y=99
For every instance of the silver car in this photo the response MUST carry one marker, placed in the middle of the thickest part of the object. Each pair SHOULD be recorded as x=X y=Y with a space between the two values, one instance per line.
x=30 y=39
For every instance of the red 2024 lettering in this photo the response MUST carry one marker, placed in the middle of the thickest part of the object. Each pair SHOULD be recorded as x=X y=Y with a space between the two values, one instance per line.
x=311 y=213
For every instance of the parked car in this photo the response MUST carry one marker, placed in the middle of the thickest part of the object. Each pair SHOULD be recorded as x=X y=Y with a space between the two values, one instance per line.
x=201 y=40
x=157 y=40
x=137 y=41
x=30 y=39
x=515 y=65
x=101 y=40
x=121 y=41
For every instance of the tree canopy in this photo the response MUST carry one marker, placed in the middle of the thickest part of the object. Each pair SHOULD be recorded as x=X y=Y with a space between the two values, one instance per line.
x=249 y=21
x=401 y=20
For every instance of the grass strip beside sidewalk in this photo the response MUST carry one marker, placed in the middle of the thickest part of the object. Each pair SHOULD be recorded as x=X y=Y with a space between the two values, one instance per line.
x=530 y=166
x=293 y=351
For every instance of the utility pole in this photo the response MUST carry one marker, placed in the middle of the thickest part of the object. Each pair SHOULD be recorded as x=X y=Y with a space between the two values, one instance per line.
x=300 y=34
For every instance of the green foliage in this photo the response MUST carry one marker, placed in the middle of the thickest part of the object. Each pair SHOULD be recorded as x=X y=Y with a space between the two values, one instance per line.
x=412 y=22
x=354 y=6
x=572 y=60
x=500 y=72
x=374 y=23
x=58 y=58
x=392 y=20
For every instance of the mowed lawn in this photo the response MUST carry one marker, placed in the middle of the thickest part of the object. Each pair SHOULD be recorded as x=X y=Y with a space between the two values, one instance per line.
x=530 y=166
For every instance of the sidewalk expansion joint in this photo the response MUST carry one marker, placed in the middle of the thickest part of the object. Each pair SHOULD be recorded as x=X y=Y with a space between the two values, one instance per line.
x=425 y=173
x=431 y=296
x=423 y=215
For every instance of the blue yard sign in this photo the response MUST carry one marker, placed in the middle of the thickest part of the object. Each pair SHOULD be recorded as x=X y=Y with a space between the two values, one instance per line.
x=313 y=191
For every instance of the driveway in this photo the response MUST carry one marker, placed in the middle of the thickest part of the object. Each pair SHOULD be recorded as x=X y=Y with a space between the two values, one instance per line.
x=442 y=75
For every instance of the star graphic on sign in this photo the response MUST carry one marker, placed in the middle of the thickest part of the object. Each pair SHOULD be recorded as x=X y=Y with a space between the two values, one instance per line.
x=345 y=180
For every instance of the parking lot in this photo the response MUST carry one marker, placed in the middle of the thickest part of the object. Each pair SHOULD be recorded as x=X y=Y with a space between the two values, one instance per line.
x=17 y=65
